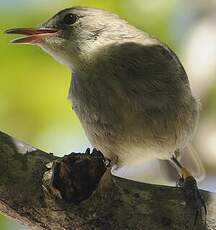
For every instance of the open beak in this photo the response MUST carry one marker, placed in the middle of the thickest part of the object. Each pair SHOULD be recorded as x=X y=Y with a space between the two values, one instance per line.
x=32 y=36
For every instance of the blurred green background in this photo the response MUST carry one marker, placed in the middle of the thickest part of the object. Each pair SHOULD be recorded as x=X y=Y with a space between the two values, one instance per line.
x=33 y=87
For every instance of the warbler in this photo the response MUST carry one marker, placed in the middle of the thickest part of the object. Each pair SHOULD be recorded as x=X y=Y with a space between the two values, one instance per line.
x=129 y=90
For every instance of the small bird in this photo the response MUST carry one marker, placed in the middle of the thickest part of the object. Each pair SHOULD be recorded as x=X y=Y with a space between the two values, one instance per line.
x=129 y=90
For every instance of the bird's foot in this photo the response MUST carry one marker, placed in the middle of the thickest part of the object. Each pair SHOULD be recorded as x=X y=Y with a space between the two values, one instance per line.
x=192 y=194
x=98 y=154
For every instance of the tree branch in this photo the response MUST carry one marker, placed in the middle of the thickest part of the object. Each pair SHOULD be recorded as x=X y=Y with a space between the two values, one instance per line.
x=28 y=194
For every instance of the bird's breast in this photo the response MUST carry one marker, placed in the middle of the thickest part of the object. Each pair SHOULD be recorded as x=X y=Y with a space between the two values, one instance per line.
x=117 y=120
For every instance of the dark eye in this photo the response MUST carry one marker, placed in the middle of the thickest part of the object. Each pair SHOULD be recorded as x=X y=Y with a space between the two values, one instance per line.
x=70 y=19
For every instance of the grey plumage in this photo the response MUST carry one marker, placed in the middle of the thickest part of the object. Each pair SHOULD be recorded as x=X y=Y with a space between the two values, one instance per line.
x=136 y=96
x=128 y=89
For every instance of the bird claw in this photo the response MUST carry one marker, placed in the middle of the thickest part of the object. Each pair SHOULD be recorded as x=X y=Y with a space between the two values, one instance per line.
x=192 y=195
x=98 y=154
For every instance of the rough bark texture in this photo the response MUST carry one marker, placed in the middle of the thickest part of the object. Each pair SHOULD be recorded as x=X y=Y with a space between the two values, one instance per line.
x=25 y=195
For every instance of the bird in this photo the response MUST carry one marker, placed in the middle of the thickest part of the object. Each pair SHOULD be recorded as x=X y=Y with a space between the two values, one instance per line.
x=128 y=89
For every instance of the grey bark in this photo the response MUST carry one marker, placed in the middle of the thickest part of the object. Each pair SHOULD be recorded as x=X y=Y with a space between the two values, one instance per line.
x=116 y=204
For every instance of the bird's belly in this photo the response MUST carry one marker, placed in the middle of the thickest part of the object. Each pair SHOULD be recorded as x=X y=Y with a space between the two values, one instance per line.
x=128 y=141
x=127 y=133
x=127 y=147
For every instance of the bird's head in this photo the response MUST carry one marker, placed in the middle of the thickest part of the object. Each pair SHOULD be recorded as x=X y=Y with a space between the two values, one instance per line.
x=74 y=34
